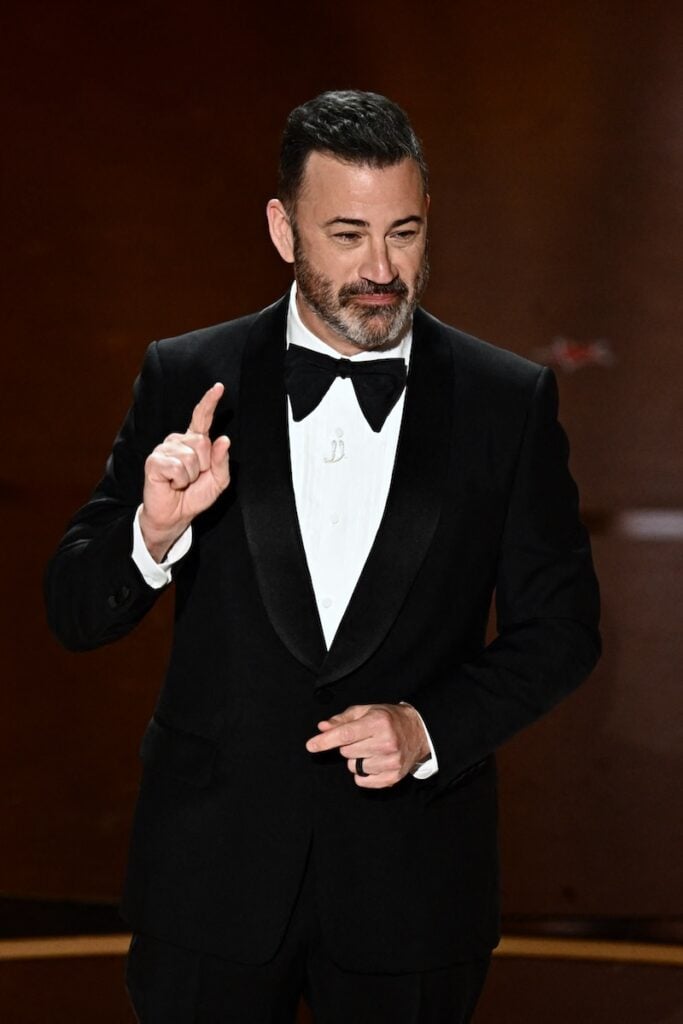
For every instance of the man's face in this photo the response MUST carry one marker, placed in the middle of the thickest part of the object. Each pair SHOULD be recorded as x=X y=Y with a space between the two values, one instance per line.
x=359 y=250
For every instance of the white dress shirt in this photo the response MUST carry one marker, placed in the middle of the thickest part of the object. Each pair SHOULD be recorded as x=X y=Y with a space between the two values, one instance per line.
x=341 y=472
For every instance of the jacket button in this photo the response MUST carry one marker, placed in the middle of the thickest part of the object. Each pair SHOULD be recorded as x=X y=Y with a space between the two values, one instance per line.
x=120 y=597
x=324 y=695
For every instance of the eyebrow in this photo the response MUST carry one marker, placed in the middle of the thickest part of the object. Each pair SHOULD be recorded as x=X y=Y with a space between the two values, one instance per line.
x=366 y=224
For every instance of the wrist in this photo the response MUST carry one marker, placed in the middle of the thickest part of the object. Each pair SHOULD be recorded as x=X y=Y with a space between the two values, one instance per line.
x=422 y=748
x=159 y=540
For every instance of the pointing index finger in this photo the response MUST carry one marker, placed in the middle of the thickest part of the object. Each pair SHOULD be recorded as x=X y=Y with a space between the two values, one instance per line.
x=339 y=736
x=202 y=415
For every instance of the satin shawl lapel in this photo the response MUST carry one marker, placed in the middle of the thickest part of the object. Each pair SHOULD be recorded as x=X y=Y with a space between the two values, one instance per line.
x=267 y=495
x=412 y=509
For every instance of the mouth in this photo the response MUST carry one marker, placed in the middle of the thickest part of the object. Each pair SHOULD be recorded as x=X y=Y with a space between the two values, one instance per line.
x=386 y=299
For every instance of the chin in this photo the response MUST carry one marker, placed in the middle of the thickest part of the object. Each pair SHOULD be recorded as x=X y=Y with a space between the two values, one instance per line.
x=378 y=335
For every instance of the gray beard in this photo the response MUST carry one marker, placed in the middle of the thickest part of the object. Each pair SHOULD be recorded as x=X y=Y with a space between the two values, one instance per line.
x=376 y=327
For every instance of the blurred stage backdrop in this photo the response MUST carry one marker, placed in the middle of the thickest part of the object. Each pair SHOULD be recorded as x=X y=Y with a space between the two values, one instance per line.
x=139 y=148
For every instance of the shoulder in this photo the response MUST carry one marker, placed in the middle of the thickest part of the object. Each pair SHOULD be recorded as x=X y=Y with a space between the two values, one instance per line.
x=482 y=364
x=187 y=364
x=206 y=344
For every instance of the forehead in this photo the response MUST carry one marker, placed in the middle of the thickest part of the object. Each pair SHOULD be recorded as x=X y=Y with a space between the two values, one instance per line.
x=333 y=187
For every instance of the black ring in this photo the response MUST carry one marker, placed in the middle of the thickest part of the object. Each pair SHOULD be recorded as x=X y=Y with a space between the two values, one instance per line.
x=359 y=768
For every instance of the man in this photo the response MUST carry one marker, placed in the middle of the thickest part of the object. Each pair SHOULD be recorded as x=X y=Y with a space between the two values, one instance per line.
x=317 y=810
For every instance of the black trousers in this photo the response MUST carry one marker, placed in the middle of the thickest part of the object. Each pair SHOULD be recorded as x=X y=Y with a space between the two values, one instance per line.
x=171 y=985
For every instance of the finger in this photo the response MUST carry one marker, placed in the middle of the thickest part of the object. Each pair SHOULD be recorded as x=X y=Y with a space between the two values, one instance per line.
x=351 y=714
x=383 y=781
x=379 y=736
x=375 y=765
x=370 y=746
x=168 y=469
x=202 y=416
x=184 y=453
x=199 y=443
x=220 y=463
x=339 y=736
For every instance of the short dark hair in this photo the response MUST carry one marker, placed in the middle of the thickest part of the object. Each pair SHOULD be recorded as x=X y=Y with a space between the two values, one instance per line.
x=358 y=127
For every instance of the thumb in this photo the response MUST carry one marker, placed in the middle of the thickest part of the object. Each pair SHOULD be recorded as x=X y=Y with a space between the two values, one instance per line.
x=220 y=463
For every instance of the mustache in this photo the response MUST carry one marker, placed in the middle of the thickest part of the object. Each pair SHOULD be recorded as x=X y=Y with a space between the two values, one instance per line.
x=395 y=287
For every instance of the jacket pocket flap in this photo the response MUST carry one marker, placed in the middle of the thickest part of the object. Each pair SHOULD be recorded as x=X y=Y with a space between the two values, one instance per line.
x=180 y=754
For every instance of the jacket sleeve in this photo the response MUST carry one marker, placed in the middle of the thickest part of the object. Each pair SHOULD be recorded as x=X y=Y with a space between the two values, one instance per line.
x=547 y=606
x=94 y=592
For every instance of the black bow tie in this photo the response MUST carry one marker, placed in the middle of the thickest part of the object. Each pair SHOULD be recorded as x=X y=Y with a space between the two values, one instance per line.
x=378 y=383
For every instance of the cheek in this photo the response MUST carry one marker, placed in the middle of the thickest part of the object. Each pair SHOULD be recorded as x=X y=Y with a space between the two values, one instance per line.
x=337 y=267
x=411 y=267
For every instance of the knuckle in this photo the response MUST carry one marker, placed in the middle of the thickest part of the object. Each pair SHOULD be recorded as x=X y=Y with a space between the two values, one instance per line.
x=200 y=443
x=155 y=459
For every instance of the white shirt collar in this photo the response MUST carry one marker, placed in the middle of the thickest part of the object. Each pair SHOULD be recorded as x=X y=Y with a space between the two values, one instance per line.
x=299 y=334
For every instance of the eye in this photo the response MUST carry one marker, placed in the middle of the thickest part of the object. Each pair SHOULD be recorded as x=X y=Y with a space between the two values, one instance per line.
x=404 y=236
x=347 y=236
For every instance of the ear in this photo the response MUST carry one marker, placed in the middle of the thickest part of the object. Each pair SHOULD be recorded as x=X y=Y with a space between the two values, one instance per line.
x=280 y=230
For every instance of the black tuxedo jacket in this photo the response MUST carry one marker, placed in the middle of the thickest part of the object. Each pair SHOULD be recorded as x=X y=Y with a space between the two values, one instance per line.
x=231 y=804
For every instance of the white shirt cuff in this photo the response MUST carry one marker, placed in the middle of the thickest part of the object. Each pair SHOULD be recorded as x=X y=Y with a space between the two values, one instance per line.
x=430 y=767
x=157 y=574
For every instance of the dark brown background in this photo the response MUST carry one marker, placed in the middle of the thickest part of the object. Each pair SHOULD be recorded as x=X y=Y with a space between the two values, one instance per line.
x=139 y=144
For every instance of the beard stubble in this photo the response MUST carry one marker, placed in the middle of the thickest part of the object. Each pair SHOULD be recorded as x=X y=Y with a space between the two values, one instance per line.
x=367 y=326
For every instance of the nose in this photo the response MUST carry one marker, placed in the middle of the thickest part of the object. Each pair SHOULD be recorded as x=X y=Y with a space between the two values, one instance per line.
x=377 y=265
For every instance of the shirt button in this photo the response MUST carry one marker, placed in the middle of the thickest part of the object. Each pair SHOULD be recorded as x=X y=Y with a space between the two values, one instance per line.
x=334 y=518
x=339 y=432
x=327 y=602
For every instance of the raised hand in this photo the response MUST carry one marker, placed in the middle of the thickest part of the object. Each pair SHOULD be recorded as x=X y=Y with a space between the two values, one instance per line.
x=183 y=476
x=390 y=739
